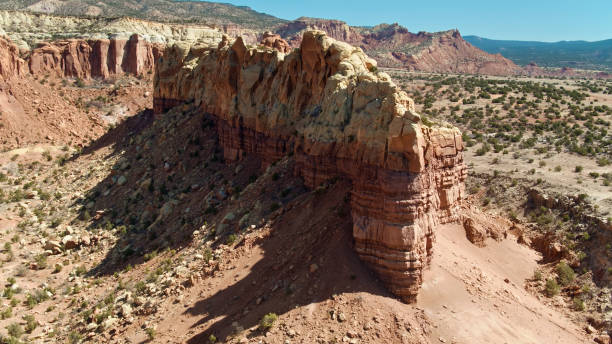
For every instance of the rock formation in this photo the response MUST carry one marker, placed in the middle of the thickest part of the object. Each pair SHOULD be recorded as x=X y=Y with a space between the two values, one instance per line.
x=96 y=58
x=393 y=45
x=27 y=30
x=271 y=40
x=325 y=104
x=85 y=59
x=10 y=62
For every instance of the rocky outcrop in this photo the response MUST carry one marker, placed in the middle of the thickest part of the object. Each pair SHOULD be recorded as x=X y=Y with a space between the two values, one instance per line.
x=393 y=45
x=273 y=41
x=480 y=226
x=81 y=58
x=10 y=62
x=327 y=106
x=97 y=58
x=27 y=30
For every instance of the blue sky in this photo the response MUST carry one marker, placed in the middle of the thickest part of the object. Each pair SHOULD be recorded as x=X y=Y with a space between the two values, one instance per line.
x=537 y=20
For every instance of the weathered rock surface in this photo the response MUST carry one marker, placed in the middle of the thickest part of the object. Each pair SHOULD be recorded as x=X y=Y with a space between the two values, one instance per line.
x=274 y=41
x=10 y=62
x=480 y=226
x=27 y=30
x=326 y=105
x=98 y=48
x=393 y=45
x=97 y=58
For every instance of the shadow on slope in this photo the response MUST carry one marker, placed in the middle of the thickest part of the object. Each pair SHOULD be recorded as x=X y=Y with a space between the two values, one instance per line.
x=307 y=258
x=169 y=180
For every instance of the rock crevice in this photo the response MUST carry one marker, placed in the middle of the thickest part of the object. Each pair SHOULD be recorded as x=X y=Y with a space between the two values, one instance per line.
x=326 y=104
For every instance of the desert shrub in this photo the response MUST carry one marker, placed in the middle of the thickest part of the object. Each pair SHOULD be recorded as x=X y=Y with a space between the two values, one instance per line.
x=14 y=330
x=603 y=162
x=579 y=304
x=6 y=313
x=267 y=322
x=537 y=275
x=565 y=273
x=231 y=239
x=31 y=323
x=552 y=288
x=41 y=260
x=578 y=169
x=150 y=333
x=74 y=337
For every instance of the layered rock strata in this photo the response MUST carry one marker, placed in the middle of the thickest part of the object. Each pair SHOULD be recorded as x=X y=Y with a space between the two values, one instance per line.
x=81 y=58
x=392 y=45
x=96 y=58
x=326 y=104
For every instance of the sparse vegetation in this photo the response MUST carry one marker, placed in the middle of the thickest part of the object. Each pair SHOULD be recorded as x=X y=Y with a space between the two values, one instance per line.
x=268 y=321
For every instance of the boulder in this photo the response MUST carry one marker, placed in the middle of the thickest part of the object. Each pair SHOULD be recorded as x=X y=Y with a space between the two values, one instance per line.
x=53 y=246
x=70 y=242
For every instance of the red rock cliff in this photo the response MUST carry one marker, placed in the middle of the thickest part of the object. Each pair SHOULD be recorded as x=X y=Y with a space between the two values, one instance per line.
x=80 y=58
x=95 y=58
x=394 y=46
x=10 y=62
x=324 y=104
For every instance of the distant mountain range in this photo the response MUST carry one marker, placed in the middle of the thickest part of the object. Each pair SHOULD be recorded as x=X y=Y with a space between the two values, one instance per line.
x=573 y=54
x=157 y=10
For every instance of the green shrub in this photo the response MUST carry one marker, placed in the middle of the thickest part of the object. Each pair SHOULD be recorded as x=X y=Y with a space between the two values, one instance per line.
x=14 y=330
x=31 y=323
x=231 y=239
x=565 y=273
x=150 y=333
x=537 y=275
x=552 y=288
x=579 y=304
x=6 y=313
x=41 y=261
x=267 y=322
x=74 y=337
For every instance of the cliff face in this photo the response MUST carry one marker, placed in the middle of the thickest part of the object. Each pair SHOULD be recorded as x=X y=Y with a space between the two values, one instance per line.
x=395 y=46
x=323 y=104
x=85 y=59
x=10 y=62
x=27 y=30
x=96 y=58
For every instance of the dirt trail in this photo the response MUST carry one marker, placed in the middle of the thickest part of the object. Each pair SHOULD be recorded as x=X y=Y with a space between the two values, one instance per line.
x=465 y=294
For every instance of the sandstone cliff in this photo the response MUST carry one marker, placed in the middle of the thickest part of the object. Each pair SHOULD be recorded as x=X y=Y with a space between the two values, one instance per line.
x=325 y=104
x=10 y=62
x=81 y=58
x=97 y=58
x=27 y=30
x=394 y=46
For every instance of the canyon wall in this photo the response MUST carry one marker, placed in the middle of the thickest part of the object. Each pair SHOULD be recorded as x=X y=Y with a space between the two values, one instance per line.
x=87 y=58
x=81 y=58
x=392 y=45
x=97 y=58
x=326 y=104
